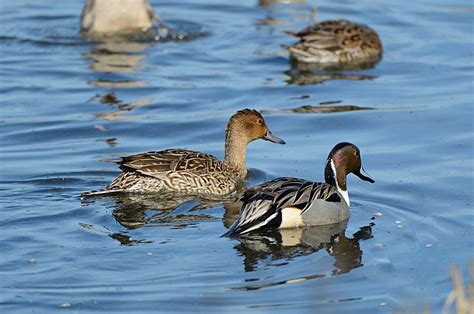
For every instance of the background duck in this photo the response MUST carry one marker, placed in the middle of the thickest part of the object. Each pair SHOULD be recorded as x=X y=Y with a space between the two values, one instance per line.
x=292 y=202
x=337 y=43
x=190 y=172
x=116 y=16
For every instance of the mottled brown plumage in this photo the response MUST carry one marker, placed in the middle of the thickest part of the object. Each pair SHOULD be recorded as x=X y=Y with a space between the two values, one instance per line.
x=171 y=160
x=190 y=172
x=337 y=43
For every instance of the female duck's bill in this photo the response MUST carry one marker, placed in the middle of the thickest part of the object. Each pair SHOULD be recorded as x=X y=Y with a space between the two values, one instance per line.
x=272 y=138
x=292 y=202
x=337 y=44
x=194 y=173
x=116 y=16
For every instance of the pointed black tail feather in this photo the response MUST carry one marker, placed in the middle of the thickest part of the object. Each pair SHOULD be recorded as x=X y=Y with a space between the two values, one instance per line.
x=101 y=192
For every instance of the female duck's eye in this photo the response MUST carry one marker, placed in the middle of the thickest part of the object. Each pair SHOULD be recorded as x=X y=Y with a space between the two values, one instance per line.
x=259 y=121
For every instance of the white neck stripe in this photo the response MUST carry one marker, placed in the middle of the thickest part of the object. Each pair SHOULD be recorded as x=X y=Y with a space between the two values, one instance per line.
x=344 y=193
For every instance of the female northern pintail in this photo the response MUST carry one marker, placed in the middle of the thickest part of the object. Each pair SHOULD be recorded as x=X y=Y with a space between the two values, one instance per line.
x=116 y=16
x=189 y=172
x=292 y=202
x=337 y=43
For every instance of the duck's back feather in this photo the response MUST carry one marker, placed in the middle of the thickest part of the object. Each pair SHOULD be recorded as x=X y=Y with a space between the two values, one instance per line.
x=158 y=163
x=337 y=42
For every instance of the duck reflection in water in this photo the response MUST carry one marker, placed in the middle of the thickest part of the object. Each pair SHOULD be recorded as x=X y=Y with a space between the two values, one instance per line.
x=119 y=108
x=269 y=3
x=115 y=61
x=121 y=32
x=278 y=247
x=274 y=16
x=307 y=74
x=134 y=210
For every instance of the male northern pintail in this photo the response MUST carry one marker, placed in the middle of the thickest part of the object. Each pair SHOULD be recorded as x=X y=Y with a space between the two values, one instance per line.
x=116 y=16
x=292 y=202
x=337 y=43
x=190 y=172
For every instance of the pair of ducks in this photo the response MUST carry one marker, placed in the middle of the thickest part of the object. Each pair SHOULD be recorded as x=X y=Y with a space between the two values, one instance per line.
x=328 y=44
x=280 y=203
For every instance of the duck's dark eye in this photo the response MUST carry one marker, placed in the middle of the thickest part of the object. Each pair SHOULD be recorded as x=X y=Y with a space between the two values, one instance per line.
x=259 y=121
x=357 y=154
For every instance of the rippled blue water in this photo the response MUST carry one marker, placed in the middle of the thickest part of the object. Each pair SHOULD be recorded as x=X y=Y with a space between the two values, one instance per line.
x=68 y=105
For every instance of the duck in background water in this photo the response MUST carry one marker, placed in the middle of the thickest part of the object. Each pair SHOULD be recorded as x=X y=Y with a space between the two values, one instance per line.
x=337 y=44
x=184 y=171
x=293 y=202
x=117 y=16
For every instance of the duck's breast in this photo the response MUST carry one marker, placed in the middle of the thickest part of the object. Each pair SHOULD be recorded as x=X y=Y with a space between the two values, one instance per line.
x=322 y=212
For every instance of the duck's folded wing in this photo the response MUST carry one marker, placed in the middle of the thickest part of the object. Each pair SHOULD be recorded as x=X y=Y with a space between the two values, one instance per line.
x=335 y=37
x=298 y=193
x=263 y=204
x=323 y=36
x=158 y=163
x=256 y=213
x=273 y=186
x=292 y=192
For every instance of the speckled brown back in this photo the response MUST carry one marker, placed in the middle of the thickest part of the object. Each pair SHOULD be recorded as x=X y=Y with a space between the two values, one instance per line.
x=337 y=42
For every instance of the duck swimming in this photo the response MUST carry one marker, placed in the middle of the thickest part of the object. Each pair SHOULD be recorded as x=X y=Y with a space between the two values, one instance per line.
x=116 y=16
x=335 y=43
x=292 y=202
x=189 y=172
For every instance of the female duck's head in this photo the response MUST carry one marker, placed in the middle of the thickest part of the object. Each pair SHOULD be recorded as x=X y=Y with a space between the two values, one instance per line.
x=248 y=125
x=244 y=127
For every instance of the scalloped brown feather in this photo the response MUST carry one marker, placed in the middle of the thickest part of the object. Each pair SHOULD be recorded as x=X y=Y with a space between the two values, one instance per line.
x=159 y=162
x=337 y=42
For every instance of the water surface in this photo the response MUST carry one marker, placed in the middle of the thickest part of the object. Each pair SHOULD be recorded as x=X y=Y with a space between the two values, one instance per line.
x=69 y=105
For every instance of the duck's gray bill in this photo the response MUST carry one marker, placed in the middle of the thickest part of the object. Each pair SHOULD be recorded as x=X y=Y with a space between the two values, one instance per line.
x=361 y=176
x=272 y=138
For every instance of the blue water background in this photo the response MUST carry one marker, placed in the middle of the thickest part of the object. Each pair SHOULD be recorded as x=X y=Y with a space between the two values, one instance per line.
x=60 y=254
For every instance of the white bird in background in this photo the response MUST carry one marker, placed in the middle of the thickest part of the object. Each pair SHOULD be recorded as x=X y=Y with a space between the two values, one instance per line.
x=116 y=16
